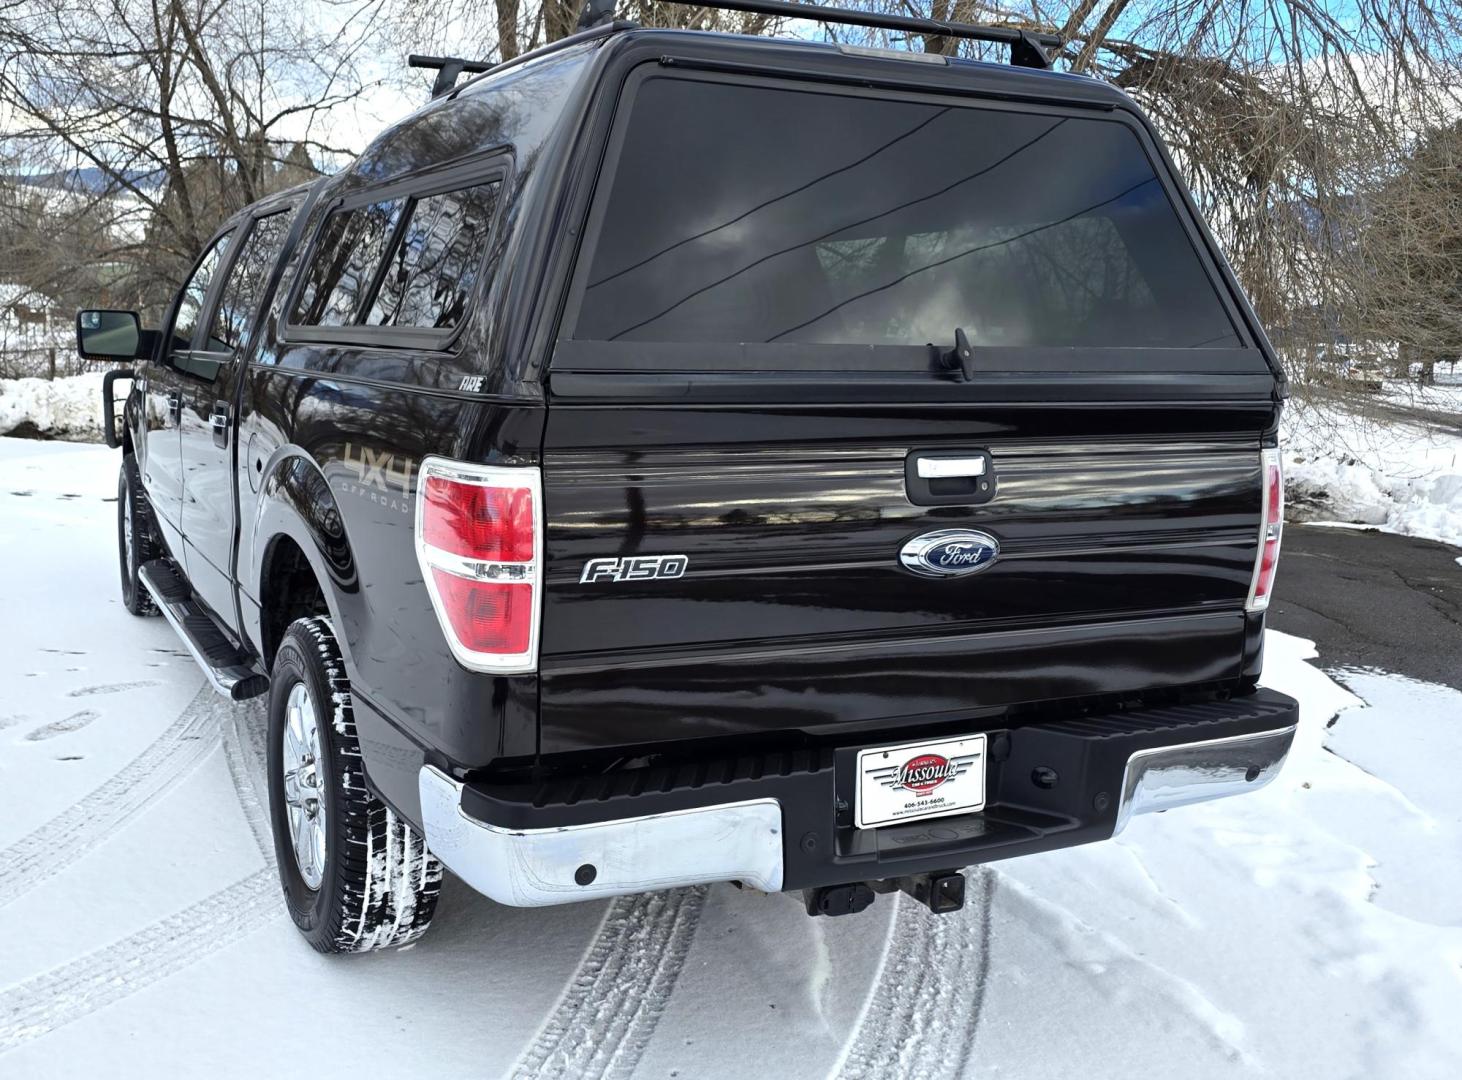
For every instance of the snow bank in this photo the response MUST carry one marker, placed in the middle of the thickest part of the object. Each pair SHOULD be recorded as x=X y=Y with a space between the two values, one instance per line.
x=69 y=408
x=1400 y=477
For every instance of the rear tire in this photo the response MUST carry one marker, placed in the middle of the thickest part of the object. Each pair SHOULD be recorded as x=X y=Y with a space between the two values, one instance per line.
x=356 y=876
x=136 y=537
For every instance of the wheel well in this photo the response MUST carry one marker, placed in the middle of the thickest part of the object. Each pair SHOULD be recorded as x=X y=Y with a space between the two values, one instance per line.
x=289 y=591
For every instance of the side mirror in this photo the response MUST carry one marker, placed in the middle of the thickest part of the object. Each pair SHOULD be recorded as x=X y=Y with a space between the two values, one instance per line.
x=108 y=335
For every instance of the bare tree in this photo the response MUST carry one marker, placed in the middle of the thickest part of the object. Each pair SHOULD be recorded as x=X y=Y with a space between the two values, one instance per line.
x=1410 y=242
x=508 y=28
x=144 y=123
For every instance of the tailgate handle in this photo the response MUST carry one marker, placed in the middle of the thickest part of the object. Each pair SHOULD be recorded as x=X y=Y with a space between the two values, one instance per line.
x=931 y=468
x=962 y=477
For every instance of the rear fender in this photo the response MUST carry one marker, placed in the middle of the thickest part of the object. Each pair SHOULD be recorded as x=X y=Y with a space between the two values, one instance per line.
x=295 y=502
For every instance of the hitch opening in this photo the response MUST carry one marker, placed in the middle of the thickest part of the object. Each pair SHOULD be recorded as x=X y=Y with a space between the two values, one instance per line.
x=942 y=892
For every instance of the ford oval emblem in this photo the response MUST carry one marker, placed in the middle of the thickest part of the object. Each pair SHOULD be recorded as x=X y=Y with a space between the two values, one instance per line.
x=949 y=552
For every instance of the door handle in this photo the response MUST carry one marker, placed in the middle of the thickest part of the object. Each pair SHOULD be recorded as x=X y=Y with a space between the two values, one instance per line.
x=175 y=405
x=218 y=419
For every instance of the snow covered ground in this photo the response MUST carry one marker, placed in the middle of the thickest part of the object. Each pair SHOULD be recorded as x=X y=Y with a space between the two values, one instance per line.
x=1311 y=930
x=1401 y=477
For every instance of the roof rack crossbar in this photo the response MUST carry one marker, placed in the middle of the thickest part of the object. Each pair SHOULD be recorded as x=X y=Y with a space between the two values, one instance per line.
x=448 y=68
x=1028 y=48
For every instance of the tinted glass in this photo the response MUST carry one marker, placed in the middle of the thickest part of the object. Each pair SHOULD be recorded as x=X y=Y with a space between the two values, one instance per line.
x=344 y=263
x=432 y=269
x=246 y=280
x=190 y=303
x=756 y=214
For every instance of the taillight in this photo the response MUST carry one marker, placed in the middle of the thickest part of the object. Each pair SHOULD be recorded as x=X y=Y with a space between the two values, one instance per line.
x=1271 y=525
x=479 y=540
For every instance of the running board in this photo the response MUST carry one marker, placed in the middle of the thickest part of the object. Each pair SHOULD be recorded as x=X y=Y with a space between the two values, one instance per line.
x=229 y=671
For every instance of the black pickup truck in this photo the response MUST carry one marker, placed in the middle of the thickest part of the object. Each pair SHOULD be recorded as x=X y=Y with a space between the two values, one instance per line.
x=673 y=457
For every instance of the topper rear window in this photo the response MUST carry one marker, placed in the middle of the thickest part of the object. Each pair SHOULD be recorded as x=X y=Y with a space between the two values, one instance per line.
x=773 y=214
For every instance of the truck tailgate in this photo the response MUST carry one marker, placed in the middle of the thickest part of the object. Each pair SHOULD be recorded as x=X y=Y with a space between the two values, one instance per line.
x=1125 y=560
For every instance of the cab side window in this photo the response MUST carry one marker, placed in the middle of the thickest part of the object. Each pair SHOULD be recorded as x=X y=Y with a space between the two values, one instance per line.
x=409 y=263
x=190 y=302
x=247 y=278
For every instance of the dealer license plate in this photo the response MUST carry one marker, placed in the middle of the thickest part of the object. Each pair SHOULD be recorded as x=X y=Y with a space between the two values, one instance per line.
x=920 y=780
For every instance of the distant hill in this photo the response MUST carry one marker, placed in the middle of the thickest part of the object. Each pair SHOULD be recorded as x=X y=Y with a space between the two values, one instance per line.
x=90 y=179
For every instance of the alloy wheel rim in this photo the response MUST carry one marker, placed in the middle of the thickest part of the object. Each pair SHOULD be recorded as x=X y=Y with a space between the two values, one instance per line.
x=304 y=789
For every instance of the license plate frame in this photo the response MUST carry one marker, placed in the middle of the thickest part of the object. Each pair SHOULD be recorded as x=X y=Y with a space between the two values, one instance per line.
x=893 y=785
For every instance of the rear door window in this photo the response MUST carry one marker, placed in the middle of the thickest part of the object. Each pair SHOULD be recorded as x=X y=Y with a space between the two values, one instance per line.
x=247 y=278
x=777 y=215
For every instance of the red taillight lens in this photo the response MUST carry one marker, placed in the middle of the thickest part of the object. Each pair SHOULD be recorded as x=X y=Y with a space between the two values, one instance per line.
x=477 y=540
x=1271 y=527
x=1274 y=493
x=485 y=616
x=492 y=524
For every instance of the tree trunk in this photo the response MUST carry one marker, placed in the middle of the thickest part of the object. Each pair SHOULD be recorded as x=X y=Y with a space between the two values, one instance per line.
x=507 y=29
x=560 y=17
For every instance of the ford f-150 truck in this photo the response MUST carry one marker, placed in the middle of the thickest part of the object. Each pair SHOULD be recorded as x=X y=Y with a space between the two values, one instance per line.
x=674 y=457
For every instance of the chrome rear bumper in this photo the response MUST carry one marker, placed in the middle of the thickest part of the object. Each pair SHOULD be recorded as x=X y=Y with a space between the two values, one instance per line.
x=741 y=839
x=1169 y=776
x=536 y=867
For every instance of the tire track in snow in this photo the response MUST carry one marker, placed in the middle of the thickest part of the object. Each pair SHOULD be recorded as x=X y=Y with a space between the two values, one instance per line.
x=923 y=1013
x=171 y=757
x=70 y=992
x=247 y=758
x=611 y=1007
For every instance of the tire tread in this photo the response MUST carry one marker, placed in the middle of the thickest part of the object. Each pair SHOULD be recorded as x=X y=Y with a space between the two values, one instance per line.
x=387 y=882
x=145 y=545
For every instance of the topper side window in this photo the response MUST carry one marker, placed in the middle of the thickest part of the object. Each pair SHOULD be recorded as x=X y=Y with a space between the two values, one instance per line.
x=410 y=263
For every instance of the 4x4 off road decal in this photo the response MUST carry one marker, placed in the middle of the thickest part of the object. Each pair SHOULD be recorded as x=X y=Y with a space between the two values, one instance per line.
x=382 y=477
x=634 y=568
x=923 y=773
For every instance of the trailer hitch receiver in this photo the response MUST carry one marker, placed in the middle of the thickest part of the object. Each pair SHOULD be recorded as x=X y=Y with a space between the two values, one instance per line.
x=942 y=892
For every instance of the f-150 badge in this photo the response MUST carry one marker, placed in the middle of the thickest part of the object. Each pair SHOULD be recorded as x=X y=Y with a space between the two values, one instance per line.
x=634 y=568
